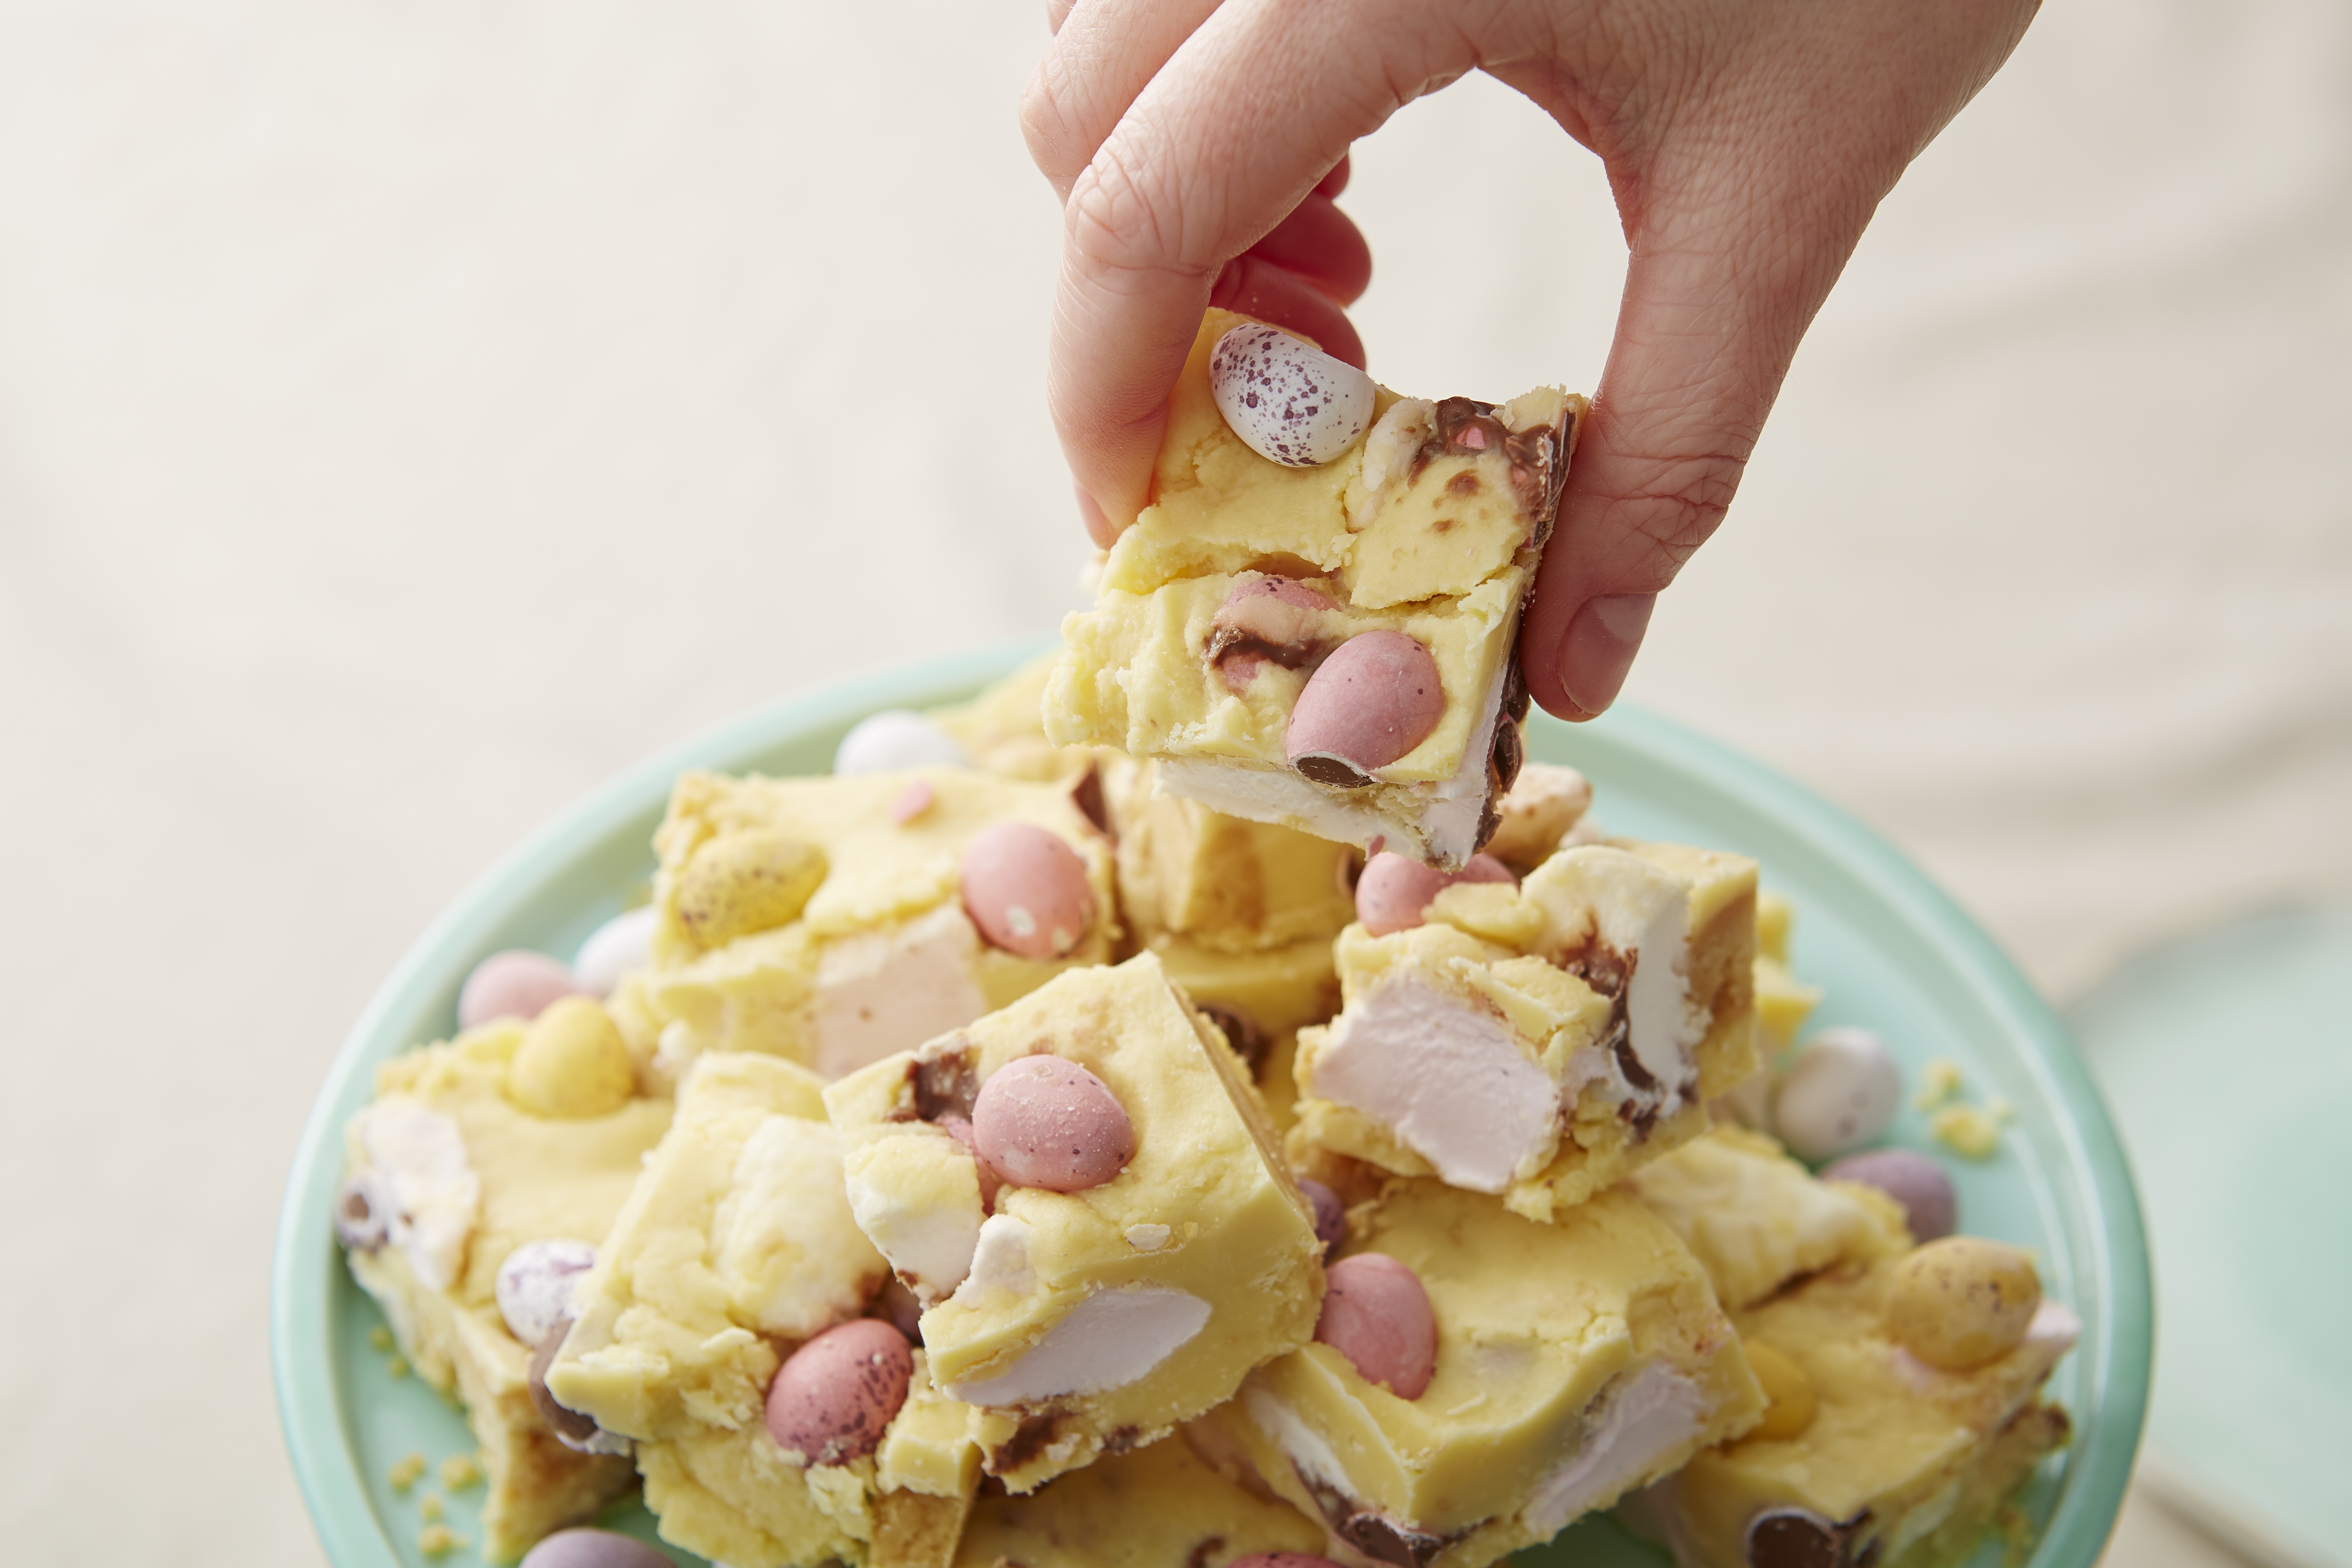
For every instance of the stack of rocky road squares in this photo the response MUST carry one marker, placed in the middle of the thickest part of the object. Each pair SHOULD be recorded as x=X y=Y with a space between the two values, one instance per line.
x=1073 y=1133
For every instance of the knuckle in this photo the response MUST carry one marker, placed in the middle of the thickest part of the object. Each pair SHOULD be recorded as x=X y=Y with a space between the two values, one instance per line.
x=1047 y=125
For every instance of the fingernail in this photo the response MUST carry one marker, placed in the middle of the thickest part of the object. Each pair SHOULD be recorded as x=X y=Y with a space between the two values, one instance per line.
x=1599 y=647
x=1098 y=527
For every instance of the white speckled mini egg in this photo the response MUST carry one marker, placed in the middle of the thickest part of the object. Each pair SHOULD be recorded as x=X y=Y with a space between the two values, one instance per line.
x=1289 y=402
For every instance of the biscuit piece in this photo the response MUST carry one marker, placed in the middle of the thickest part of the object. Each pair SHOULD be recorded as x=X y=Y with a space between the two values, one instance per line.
x=1538 y=1042
x=1575 y=1361
x=456 y=1176
x=1089 y=1321
x=817 y=919
x=735 y=1245
x=1232 y=595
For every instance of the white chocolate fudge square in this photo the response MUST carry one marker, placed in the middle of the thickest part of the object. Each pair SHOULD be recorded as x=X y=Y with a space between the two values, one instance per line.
x=737 y=1244
x=448 y=1176
x=1427 y=528
x=1575 y=1361
x=824 y=919
x=1866 y=1454
x=1091 y=1321
x=1538 y=1042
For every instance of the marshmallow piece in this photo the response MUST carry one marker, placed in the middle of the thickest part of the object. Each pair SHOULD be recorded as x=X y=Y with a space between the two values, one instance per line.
x=413 y=1160
x=880 y=992
x=534 y=1286
x=1841 y=1093
x=620 y=945
x=1377 y=1314
x=1110 y=1340
x=918 y=1201
x=894 y=740
x=1371 y=702
x=1917 y=1183
x=513 y=984
x=1656 y=1412
x=1026 y=890
x=834 y=1397
x=1447 y=1078
x=1042 y=1121
x=587 y=1548
x=1289 y=401
x=785 y=1211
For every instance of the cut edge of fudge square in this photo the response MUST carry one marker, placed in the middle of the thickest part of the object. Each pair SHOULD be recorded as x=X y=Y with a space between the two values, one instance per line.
x=1088 y=1322
x=1245 y=615
x=1157 y=1506
x=1540 y=1042
x=1575 y=1361
x=454 y=1175
x=824 y=919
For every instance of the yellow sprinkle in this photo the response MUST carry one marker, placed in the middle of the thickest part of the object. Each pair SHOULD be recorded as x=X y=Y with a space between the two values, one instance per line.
x=379 y=1338
x=406 y=1473
x=397 y=1369
x=438 y=1540
x=430 y=1509
x=1939 y=1081
x=1966 y=1130
x=459 y=1471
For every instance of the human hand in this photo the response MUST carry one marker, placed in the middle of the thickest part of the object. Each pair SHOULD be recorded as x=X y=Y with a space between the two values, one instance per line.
x=1196 y=146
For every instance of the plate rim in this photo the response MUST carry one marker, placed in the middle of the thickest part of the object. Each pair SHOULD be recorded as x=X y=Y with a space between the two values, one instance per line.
x=326 y=1466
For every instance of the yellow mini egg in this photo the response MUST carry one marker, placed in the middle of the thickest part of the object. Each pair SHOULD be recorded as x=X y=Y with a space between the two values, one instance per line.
x=1961 y=1301
x=572 y=1062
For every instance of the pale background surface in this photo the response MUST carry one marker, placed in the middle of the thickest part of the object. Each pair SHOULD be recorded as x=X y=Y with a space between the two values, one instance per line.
x=412 y=414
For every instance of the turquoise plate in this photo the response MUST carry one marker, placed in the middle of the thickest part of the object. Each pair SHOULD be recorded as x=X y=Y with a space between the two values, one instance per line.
x=1895 y=954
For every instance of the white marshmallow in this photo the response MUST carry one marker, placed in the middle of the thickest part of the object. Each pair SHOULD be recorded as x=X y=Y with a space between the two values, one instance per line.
x=1000 y=1260
x=784 y=1245
x=1107 y=1341
x=887 y=992
x=534 y=1286
x=929 y=1244
x=1290 y=402
x=622 y=944
x=417 y=1176
x=896 y=739
x=1449 y=1080
x=1840 y=1094
x=1642 y=1424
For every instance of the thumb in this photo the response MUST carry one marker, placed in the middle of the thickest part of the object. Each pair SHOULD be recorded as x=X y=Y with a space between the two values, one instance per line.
x=1703 y=342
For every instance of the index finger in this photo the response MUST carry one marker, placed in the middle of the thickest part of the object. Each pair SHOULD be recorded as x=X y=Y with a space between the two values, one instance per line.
x=1248 y=114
